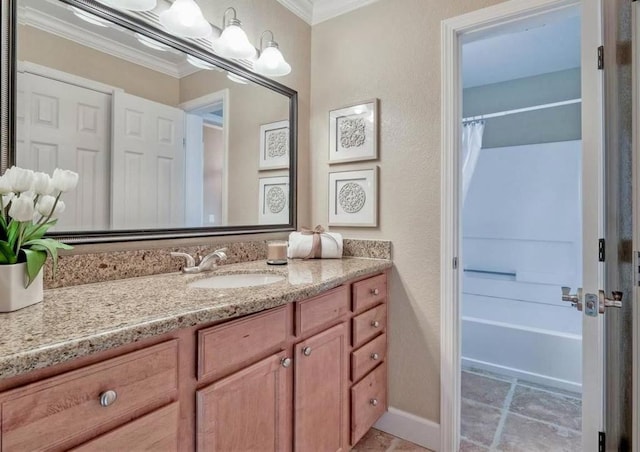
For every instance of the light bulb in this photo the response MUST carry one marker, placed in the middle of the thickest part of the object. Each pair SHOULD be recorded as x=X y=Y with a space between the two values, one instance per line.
x=233 y=42
x=271 y=62
x=184 y=18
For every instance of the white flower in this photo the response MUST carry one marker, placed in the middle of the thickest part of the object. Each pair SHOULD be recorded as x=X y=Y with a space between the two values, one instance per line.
x=64 y=180
x=45 y=206
x=5 y=185
x=22 y=208
x=41 y=184
x=19 y=178
x=6 y=199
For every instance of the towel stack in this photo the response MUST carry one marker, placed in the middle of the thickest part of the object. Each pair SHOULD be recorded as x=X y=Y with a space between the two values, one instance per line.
x=301 y=244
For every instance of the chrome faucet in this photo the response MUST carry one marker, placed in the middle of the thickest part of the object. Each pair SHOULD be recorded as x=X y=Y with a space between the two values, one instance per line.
x=209 y=262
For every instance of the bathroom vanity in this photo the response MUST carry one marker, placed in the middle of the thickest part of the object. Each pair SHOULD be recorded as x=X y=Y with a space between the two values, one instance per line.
x=302 y=367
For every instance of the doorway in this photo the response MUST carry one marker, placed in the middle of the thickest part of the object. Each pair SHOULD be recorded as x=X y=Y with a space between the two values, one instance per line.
x=522 y=154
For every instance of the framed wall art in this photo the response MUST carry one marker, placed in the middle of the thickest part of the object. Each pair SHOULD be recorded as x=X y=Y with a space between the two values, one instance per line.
x=353 y=198
x=353 y=133
x=274 y=200
x=274 y=145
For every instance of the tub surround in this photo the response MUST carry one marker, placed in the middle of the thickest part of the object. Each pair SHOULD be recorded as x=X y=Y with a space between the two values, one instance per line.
x=80 y=320
x=75 y=269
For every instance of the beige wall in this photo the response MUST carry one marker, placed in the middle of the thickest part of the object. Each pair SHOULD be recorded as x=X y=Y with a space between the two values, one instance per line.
x=391 y=50
x=49 y=50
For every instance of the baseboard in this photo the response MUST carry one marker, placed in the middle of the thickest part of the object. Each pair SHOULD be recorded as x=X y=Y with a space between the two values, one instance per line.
x=469 y=363
x=410 y=427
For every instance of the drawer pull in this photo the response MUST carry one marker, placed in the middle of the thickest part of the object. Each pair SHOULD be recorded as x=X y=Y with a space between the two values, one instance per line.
x=375 y=324
x=374 y=402
x=286 y=362
x=375 y=356
x=375 y=291
x=306 y=351
x=108 y=398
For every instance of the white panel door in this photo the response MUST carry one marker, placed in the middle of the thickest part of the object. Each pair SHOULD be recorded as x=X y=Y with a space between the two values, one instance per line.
x=61 y=125
x=194 y=151
x=148 y=164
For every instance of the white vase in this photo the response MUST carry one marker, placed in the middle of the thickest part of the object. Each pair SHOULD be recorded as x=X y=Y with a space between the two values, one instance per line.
x=13 y=295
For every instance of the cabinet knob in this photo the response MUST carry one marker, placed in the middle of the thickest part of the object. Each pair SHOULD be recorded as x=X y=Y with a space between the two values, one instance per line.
x=306 y=351
x=375 y=291
x=286 y=362
x=374 y=402
x=375 y=356
x=375 y=324
x=107 y=398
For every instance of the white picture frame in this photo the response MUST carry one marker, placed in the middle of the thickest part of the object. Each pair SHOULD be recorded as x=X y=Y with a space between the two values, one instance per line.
x=353 y=133
x=273 y=200
x=353 y=198
x=274 y=145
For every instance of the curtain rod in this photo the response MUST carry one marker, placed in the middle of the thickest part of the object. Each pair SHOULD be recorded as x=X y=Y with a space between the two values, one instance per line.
x=522 y=110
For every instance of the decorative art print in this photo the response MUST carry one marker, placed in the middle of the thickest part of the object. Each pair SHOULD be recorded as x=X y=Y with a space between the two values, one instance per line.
x=353 y=198
x=274 y=200
x=353 y=133
x=274 y=145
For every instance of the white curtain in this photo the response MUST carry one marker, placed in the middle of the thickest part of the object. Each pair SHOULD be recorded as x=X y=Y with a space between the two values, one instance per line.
x=471 y=145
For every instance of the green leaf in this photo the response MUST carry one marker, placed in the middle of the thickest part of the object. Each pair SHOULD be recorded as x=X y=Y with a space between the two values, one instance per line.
x=35 y=260
x=12 y=232
x=35 y=231
x=50 y=246
x=7 y=256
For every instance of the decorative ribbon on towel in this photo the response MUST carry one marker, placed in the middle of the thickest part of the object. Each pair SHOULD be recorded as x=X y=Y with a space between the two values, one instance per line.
x=316 y=246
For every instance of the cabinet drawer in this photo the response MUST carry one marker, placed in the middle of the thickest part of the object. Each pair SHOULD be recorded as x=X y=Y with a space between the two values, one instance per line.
x=369 y=324
x=368 y=402
x=367 y=357
x=157 y=431
x=322 y=310
x=225 y=348
x=65 y=410
x=369 y=292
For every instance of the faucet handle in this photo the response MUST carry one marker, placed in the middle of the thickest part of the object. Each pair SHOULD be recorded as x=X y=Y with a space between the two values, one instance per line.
x=566 y=290
x=222 y=253
x=189 y=260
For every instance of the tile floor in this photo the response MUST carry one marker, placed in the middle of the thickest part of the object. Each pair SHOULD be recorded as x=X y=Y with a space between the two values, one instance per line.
x=510 y=415
x=377 y=441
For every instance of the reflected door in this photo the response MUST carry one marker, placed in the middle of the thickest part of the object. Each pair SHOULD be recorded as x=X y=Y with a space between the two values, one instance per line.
x=148 y=164
x=60 y=125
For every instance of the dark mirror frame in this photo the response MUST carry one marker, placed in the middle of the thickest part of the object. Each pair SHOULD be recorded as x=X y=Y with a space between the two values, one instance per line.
x=8 y=27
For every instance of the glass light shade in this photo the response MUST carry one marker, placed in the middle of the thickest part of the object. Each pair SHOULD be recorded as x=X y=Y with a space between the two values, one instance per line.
x=185 y=19
x=271 y=63
x=236 y=78
x=233 y=43
x=197 y=62
x=152 y=44
x=132 y=5
x=90 y=18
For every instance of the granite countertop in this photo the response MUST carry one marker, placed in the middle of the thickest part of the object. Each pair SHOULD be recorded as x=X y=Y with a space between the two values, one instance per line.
x=77 y=321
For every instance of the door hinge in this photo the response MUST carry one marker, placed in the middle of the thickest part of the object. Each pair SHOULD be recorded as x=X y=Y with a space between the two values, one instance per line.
x=455 y=263
x=601 y=250
x=601 y=442
x=601 y=57
x=636 y=266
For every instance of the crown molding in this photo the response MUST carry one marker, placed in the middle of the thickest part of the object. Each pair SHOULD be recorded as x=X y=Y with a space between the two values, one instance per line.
x=66 y=30
x=301 y=8
x=328 y=9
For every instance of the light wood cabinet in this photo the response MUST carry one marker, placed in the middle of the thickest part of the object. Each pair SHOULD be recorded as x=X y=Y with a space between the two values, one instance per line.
x=322 y=391
x=307 y=376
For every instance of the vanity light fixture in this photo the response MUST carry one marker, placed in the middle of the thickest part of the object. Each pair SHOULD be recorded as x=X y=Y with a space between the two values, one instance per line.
x=184 y=18
x=131 y=5
x=151 y=43
x=236 y=78
x=197 y=62
x=90 y=18
x=233 y=42
x=271 y=62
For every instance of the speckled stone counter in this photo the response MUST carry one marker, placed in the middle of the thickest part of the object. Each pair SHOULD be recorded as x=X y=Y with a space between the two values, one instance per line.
x=77 y=321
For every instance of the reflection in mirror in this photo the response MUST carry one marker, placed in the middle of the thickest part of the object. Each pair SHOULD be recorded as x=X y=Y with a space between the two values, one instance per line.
x=160 y=139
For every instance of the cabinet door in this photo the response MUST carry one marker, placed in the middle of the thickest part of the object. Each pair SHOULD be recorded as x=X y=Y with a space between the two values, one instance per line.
x=248 y=411
x=321 y=392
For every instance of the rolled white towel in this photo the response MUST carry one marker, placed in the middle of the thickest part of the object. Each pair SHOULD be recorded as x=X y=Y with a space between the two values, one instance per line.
x=300 y=245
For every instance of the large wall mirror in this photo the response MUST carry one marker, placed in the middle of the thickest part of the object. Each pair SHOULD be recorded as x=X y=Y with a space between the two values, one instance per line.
x=169 y=139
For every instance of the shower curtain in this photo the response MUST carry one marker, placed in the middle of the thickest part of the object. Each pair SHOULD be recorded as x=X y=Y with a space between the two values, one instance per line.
x=471 y=145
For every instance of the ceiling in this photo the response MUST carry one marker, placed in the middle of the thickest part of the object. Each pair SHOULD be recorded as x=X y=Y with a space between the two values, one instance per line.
x=316 y=11
x=550 y=46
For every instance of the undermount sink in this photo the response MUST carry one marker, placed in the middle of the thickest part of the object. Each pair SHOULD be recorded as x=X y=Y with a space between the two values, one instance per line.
x=235 y=281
